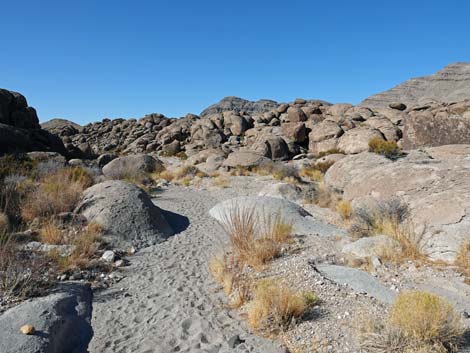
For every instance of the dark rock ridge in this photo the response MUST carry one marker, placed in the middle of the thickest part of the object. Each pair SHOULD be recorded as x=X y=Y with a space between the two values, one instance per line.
x=451 y=84
x=240 y=105
x=19 y=127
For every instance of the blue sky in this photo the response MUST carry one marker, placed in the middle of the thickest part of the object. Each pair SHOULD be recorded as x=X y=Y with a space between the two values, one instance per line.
x=88 y=59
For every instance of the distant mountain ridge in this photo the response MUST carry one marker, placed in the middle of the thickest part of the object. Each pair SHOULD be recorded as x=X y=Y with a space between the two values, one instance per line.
x=451 y=84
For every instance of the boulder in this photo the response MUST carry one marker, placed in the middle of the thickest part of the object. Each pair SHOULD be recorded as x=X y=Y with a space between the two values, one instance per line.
x=371 y=246
x=295 y=132
x=325 y=130
x=397 y=106
x=132 y=165
x=435 y=130
x=358 y=280
x=436 y=191
x=296 y=115
x=245 y=159
x=284 y=191
x=357 y=140
x=105 y=158
x=61 y=321
x=267 y=208
x=126 y=213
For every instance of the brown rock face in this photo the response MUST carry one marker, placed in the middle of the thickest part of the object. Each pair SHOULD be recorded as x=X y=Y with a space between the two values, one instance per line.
x=424 y=131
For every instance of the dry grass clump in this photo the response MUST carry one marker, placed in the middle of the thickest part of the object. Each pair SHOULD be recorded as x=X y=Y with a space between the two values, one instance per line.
x=56 y=193
x=427 y=318
x=184 y=175
x=252 y=244
x=4 y=224
x=50 y=233
x=322 y=196
x=275 y=306
x=418 y=322
x=86 y=243
x=240 y=171
x=221 y=181
x=344 y=208
x=228 y=272
x=279 y=171
x=463 y=260
x=316 y=171
x=330 y=151
x=390 y=217
x=388 y=149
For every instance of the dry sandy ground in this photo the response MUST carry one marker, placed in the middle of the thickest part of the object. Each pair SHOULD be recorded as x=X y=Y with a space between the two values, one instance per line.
x=167 y=302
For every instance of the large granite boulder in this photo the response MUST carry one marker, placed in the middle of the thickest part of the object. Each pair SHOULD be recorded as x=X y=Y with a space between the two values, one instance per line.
x=422 y=130
x=245 y=159
x=240 y=105
x=62 y=321
x=131 y=165
x=434 y=184
x=126 y=213
x=357 y=140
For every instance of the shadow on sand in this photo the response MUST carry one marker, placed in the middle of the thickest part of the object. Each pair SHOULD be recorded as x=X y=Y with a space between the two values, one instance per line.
x=176 y=221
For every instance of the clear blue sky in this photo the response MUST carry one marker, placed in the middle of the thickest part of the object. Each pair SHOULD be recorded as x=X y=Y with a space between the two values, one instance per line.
x=88 y=59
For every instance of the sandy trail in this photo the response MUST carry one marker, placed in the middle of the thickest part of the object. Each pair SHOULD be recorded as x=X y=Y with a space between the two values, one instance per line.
x=167 y=302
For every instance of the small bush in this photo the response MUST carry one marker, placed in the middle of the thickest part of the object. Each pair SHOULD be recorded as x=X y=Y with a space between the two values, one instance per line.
x=4 y=224
x=275 y=306
x=463 y=260
x=322 y=196
x=252 y=245
x=428 y=319
x=19 y=164
x=221 y=182
x=344 y=209
x=279 y=171
x=56 y=193
x=316 y=171
x=51 y=234
x=388 y=149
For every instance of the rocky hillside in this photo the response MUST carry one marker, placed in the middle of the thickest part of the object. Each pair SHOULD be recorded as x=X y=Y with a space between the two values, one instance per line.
x=450 y=84
x=19 y=127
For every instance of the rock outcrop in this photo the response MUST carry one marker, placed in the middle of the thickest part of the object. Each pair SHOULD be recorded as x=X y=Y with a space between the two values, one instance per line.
x=434 y=183
x=240 y=105
x=61 y=322
x=451 y=84
x=126 y=214
x=19 y=127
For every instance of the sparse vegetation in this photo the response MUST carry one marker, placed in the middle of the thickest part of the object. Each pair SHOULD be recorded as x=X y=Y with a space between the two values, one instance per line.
x=388 y=149
x=252 y=244
x=221 y=181
x=51 y=234
x=463 y=260
x=275 y=306
x=418 y=322
x=344 y=209
x=331 y=151
x=316 y=171
x=58 y=192
x=390 y=217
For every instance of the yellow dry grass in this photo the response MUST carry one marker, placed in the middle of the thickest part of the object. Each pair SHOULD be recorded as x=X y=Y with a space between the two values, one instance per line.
x=463 y=260
x=274 y=306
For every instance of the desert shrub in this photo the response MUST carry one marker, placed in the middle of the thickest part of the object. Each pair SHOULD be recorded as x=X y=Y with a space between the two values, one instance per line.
x=56 y=193
x=19 y=164
x=50 y=233
x=344 y=209
x=4 y=224
x=86 y=244
x=322 y=196
x=13 y=189
x=330 y=151
x=279 y=171
x=251 y=244
x=240 y=171
x=228 y=272
x=221 y=182
x=316 y=171
x=388 y=149
x=463 y=260
x=428 y=319
x=182 y=155
x=48 y=167
x=275 y=306
x=390 y=217
x=21 y=274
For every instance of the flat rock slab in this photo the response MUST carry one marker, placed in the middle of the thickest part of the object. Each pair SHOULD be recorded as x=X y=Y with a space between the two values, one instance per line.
x=360 y=281
x=61 y=320
x=265 y=207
